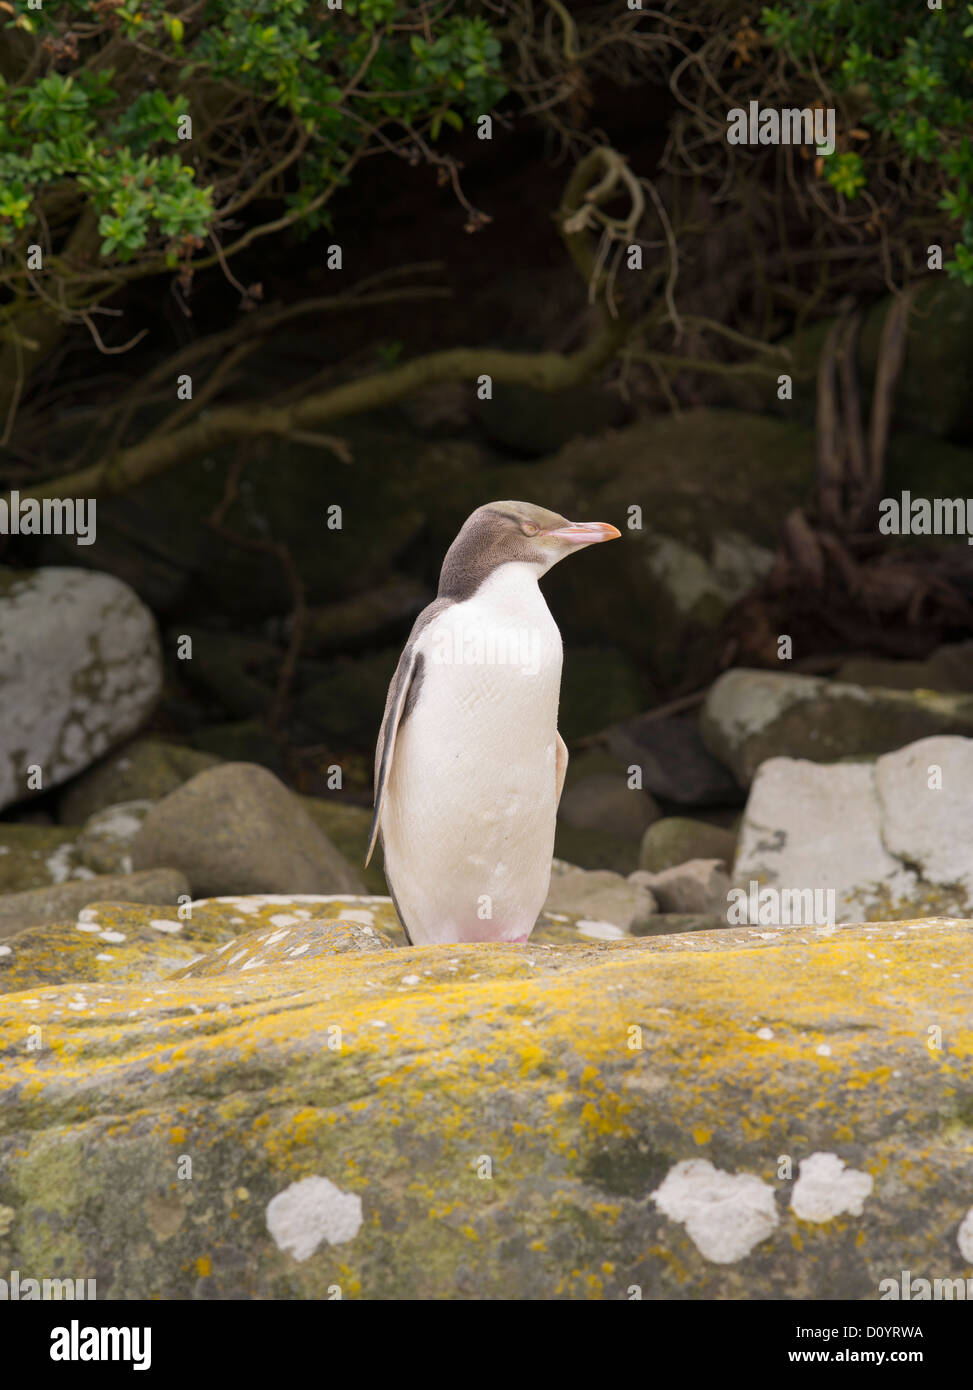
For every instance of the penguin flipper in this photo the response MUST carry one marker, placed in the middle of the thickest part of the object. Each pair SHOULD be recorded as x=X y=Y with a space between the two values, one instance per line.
x=561 y=764
x=404 y=682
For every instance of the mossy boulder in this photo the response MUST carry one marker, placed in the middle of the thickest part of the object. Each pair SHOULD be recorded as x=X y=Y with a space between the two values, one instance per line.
x=600 y=1120
x=675 y=839
x=44 y=905
x=750 y=716
x=36 y=856
x=145 y=769
x=237 y=828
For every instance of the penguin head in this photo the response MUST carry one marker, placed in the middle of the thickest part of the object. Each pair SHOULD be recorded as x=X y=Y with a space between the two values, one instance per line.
x=509 y=532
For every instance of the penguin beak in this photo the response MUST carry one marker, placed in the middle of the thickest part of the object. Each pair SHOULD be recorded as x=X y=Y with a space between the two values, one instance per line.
x=584 y=532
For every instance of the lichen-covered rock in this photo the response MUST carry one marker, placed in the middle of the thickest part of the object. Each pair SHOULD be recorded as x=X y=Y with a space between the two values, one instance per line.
x=118 y=940
x=144 y=770
x=237 y=829
x=288 y=946
x=105 y=843
x=36 y=856
x=750 y=716
x=675 y=839
x=889 y=839
x=80 y=669
x=38 y=905
x=730 y=1114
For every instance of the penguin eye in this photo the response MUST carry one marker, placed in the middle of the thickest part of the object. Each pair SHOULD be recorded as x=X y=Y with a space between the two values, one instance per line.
x=529 y=529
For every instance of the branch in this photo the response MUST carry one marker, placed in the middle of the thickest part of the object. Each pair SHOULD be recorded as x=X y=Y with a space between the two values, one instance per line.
x=546 y=371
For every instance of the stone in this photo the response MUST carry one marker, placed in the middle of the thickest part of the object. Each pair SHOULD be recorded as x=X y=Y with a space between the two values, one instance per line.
x=949 y=668
x=604 y=801
x=112 y=940
x=889 y=839
x=348 y=827
x=601 y=896
x=237 y=829
x=676 y=764
x=146 y=769
x=699 y=886
x=672 y=923
x=36 y=856
x=750 y=716
x=595 y=849
x=80 y=670
x=271 y=946
x=587 y=1075
x=42 y=905
x=105 y=843
x=674 y=839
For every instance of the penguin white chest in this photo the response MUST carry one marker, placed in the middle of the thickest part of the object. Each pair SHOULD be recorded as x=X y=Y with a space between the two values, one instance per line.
x=468 y=829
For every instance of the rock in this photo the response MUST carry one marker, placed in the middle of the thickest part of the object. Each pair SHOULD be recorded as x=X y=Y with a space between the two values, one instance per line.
x=36 y=856
x=604 y=801
x=675 y=839
x=105 y=843
x=144 y=770
x=950 y=668
x=129 y=941
x=720 y=1050
x=699 y=886
x=348 y=827
x=595 y=849
x=676 y=764
x=236 y=828
x=41 y=905
x=671 y=923
x=268 y=947
x=883 y=837
x=600 y=896
x=80 y=669
x=750 y=716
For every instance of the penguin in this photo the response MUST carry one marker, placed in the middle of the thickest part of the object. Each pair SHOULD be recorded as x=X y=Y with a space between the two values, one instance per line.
x=469 y=764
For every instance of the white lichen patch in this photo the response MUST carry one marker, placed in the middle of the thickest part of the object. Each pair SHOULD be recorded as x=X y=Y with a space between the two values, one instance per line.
x=964 y=1236
x=165 y=924
x=725 y=1214
x=600 y=931
x=825 y=1188
x=311 y=1211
